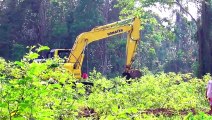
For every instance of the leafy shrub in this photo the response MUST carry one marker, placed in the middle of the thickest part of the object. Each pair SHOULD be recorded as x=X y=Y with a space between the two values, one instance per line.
x=178 y=92
x=30 y=90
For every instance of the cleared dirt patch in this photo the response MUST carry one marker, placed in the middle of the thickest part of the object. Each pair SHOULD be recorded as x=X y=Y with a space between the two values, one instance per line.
x=87 y=112
x=168 y=112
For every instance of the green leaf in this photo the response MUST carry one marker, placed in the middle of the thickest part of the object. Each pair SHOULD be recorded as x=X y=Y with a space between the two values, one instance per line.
x=134 y=110
x=42 y=48
x=21 y=64
x=109 y=117
x=19 y=118
x=56 y=86
x=3 y=105
x=115 y=109
x=32 y=56
x=79 y=85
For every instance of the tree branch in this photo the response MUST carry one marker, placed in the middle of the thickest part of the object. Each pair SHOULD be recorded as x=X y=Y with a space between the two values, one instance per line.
x=178 y=3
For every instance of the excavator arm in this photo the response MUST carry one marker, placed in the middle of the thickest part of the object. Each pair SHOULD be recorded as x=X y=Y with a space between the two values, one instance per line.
x=130 y=26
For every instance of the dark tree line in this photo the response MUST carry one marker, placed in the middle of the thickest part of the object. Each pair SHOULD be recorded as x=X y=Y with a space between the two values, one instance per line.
x=57 y=23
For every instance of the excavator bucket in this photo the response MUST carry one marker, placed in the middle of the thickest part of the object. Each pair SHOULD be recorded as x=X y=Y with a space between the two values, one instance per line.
x=132 y=74
x=135 y=74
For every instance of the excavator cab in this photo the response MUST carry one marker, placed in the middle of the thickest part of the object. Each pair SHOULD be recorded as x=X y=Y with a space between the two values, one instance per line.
x=54 y=53
x=62 y=53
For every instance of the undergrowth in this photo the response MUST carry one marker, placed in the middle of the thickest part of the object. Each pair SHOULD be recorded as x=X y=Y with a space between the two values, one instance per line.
x=38 y=91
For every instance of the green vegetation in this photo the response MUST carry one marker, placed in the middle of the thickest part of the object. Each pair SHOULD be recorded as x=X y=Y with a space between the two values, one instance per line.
x=39 y=91
x=173 y=50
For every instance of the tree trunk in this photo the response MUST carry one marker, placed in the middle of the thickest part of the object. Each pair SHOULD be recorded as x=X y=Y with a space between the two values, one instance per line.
x=42 y=24
x=103 y=43
x=205 y=39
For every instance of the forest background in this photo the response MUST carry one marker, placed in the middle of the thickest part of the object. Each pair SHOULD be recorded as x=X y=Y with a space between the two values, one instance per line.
x=180 y=42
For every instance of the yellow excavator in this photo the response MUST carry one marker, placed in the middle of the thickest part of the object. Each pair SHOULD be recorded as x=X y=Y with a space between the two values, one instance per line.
x=76 y=54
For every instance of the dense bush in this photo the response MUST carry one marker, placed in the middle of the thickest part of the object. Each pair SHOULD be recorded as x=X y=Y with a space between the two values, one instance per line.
x=38 y=91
